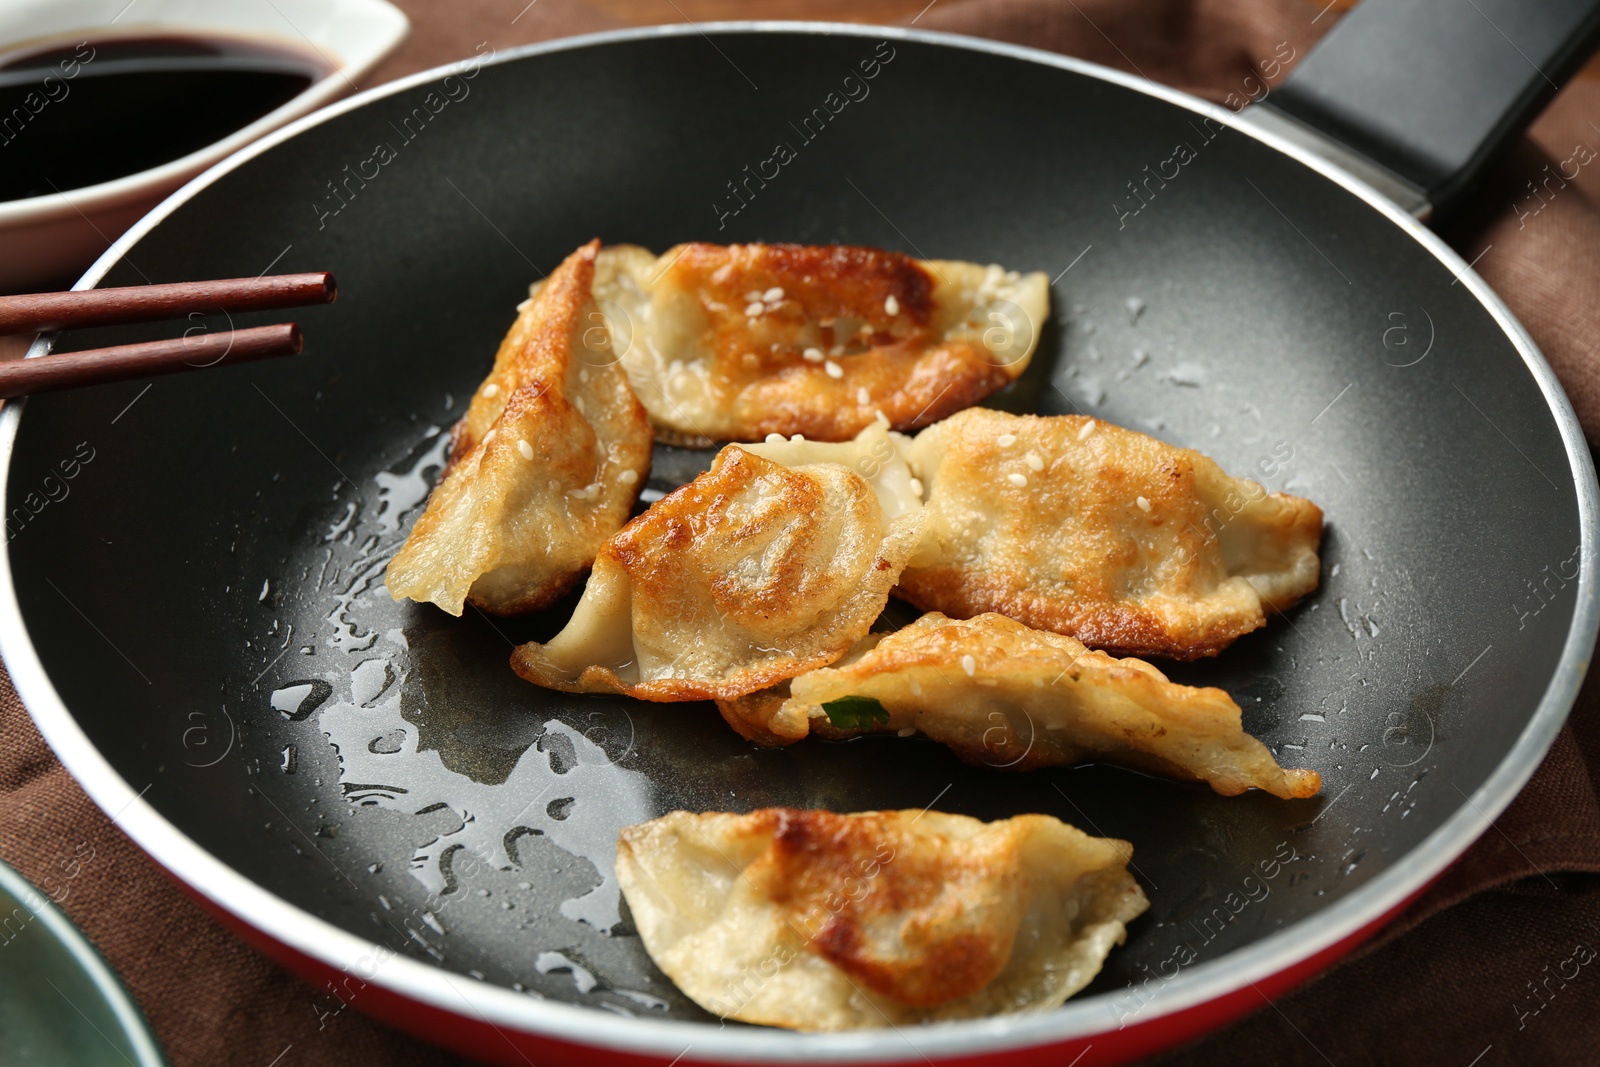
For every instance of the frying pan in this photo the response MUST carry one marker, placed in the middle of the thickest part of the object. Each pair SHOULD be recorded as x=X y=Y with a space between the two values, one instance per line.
x=192 y=606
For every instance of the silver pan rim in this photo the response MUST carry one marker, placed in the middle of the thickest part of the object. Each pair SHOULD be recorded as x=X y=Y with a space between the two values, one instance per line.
x=1085 y=1019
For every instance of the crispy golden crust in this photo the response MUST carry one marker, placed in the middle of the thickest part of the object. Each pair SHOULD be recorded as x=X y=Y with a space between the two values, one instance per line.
x=758 y=717
x=1006 y=696
x=951 y=892
x=544 y=466
x=735 y=582
x=915 y=340
x=1107 y=535
x=818 y=921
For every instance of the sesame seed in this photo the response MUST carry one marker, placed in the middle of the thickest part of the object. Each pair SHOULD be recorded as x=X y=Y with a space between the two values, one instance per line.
x=862 y=396
x=813 y=354
x=490 y=389
x=916 y=687
x=583 y=375
x=907 y=731
x=798 y=438
x=753 y=295
x=753 y=309
x=1034 y=462
x=1144 y=505
x=891 y=305
x=833 y=369
x=772 y=295
x=1006 y=440
x=1088 y=428
x=969 y=664
x=525 y=448
x=489 y=436
x=628 y=477
x=775 y=438
x=1018 y=480
x=916 y=486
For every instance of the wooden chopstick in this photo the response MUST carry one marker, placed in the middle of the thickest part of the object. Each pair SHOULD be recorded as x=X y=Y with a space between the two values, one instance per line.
x=45 y=312
x=42 y=312
x=67 y=370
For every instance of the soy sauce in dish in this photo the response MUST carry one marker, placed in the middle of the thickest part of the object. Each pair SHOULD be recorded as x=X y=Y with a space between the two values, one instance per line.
x=79 y=114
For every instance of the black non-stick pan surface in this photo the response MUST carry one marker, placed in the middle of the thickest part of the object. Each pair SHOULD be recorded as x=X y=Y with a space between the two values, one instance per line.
x=197 y=562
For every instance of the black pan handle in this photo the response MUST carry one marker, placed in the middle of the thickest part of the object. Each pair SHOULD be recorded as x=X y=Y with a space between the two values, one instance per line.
x=1434 y=91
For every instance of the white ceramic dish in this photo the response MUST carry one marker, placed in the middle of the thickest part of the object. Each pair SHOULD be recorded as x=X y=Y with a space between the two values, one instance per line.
x=47 y=238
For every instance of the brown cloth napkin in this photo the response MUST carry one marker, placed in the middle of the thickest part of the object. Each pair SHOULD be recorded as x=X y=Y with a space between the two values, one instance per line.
x=1469 y=976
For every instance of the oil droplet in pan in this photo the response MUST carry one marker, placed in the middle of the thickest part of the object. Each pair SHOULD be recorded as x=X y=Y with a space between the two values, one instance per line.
x=399 y=493
x=578 y=802
x=645 y=999
x=582 y=977
x=297 y=700
x=369 y=679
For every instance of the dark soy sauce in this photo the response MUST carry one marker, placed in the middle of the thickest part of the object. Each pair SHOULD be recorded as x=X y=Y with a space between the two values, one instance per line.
x=85 y=113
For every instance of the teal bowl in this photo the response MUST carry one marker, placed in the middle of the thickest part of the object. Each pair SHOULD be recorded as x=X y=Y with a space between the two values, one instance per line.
x=59 y=1001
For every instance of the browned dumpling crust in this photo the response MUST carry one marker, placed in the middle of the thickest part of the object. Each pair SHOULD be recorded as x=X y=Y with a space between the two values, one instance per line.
x=544 y=466
x=1006 y=696
x=745 y=577
x=735 y=342
x=766 y=717
x=817 y=921
x=1071 y=524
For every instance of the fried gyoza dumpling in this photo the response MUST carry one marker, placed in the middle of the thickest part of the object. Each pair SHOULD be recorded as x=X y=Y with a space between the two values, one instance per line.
x=1004 y=695
x=544 y=466
x=1070 y=524
x=733 y=342
x=745 y=577
x=817 y=921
